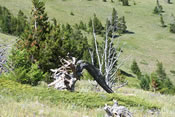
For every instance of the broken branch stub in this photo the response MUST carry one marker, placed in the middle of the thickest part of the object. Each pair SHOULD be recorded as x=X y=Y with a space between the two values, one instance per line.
x=117 y=111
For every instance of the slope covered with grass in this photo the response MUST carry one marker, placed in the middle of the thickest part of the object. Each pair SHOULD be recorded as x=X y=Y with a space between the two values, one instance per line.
x=21 y=100
x=89 y=100
x=148 y=41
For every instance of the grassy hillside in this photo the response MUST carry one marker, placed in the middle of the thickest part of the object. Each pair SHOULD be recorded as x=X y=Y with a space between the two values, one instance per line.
x=22 y=100
x=149 y=41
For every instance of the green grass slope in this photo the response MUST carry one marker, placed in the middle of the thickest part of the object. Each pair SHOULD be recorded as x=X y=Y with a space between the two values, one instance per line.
x=21 y=100
x=89 y=100
x=149 y=41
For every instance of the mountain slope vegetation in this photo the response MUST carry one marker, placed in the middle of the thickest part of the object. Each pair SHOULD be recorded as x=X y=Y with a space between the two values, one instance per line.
x=146 y=43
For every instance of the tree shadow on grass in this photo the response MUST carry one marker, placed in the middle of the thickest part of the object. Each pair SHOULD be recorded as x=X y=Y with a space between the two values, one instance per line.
x=126 y=74
x=129 y=32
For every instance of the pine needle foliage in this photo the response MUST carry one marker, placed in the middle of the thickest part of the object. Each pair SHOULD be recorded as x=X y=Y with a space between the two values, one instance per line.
x=45 y=43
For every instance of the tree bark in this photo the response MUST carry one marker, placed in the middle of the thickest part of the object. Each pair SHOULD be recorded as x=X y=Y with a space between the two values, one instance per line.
x=67 y=75
x=95 y=73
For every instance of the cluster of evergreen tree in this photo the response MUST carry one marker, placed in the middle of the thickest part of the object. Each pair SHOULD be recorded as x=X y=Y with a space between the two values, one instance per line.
x=43 y=44
x=99 y=28
x=10 y=24
x=81 y=26
x=157 y=81
x=117 y=24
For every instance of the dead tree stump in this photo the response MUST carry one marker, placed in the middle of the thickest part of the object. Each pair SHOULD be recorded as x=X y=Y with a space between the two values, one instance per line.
x=71 y=70
x=117 y=111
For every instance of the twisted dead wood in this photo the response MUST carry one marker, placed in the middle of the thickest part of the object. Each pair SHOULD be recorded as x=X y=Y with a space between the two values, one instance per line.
x=67 y=75
x=117 y=111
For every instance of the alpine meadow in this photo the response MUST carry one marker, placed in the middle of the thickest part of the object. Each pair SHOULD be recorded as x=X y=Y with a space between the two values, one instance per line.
x=87 y=58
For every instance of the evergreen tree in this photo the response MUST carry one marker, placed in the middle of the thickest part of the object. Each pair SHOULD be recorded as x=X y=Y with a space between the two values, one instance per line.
x=34 y=42
x=21 y=23
x=10 y=24
x=122 y=25
x=166 y=85
x=74 y=42
x=45 y=43
x=135 y=69
x=36 y=37
x=82 y=26
x=118 y=24
x=144 y=82
x=6 y=20
x=97 y=25
x=160 y=71
x=155 y=83
x=114 y=20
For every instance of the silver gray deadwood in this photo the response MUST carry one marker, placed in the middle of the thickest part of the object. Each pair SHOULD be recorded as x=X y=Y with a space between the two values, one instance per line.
x=71 y=70
x=117 y=111
x=108 y=57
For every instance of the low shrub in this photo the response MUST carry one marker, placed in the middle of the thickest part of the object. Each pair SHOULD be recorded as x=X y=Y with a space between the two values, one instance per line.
x=89 y=100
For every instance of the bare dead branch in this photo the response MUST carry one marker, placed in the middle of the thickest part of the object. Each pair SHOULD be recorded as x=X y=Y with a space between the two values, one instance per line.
x=117 y=111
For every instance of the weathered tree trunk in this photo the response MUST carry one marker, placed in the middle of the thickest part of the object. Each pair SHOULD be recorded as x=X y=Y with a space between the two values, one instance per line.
x=95 y=73
x=67 y=75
